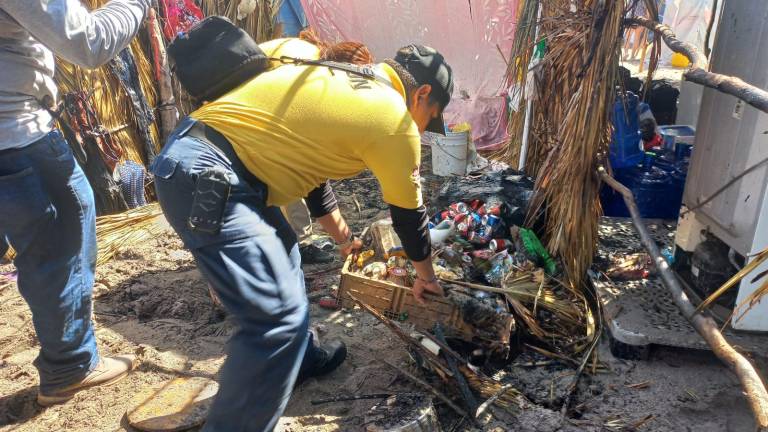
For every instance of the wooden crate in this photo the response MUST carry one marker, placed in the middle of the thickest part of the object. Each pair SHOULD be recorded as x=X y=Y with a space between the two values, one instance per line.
x=397 y=302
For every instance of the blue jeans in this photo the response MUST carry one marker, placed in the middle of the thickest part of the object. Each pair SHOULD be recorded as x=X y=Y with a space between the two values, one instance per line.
x=254 y=265
x=47 y=214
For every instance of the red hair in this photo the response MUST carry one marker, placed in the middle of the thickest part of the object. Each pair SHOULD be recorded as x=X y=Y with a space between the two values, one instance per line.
x=345 y=52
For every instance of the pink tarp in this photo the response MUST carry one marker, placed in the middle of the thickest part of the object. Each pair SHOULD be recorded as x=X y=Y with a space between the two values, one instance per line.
x=471 y=34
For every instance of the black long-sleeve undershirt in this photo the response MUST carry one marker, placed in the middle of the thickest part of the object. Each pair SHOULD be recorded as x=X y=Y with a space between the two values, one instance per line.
x=411 y=225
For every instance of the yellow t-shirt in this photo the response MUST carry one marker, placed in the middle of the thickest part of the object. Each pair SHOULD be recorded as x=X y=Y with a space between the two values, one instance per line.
x=292 y=47
x=294 y=127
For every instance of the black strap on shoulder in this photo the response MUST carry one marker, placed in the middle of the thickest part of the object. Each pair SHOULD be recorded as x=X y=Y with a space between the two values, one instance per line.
x=364 y=71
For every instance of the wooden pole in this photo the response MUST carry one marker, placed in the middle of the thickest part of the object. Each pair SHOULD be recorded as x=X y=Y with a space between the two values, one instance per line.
x=754 y=389
x=169 y=114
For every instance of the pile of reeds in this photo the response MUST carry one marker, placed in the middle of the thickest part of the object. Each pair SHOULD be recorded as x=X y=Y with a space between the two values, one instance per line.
x=118 y=232
x=574 y=91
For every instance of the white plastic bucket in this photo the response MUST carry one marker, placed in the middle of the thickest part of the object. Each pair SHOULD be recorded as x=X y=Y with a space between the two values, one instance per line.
x=449 y=154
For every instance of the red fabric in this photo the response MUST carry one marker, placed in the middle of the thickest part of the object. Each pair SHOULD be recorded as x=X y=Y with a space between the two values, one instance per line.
x=179 y=16
x=656 y=142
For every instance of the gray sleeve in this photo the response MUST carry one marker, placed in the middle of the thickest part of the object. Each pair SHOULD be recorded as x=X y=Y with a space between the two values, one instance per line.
x=67 y=28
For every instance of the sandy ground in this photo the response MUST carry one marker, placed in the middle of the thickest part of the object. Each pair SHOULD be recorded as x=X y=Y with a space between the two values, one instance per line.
x=152 y=301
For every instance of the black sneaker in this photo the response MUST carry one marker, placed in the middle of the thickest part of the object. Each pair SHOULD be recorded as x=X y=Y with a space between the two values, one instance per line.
x=327 y=358
x=311 y=254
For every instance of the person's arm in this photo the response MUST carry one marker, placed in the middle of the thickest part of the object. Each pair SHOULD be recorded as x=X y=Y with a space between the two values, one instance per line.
x=67 y=28
x=412 y=228
x=394 y=160
x=323 y=206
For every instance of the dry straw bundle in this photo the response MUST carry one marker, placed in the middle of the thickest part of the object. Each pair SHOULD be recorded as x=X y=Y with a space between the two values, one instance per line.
x=258 y=22
x=570 y=123
x=111 y=103
x=115 y=233
x=118 y=232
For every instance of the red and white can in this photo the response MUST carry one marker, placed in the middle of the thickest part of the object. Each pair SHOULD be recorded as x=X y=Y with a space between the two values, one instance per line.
x=498 y=245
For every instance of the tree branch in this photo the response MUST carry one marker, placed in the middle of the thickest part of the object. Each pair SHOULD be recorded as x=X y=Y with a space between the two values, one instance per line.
x=697 y=72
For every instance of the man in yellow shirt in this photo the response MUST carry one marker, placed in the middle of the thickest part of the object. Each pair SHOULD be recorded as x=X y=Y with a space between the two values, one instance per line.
x=279 y=137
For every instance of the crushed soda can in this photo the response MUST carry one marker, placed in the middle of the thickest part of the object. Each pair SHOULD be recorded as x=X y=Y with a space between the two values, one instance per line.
x=376 y=270
x=463 y=229
x=479 y=237
x=475 y=204
x=490 y=210
x=398 y=276
x=458 y=207
x=443 y=215
x=396 y=261
x=475 y=220
x=396 y=251
x=491 y=220
x=364 y=256
x=461 y=217
x=497 y=245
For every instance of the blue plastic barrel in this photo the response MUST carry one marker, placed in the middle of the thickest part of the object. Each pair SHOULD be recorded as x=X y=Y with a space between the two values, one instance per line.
x=625 y=150
x=657 y=185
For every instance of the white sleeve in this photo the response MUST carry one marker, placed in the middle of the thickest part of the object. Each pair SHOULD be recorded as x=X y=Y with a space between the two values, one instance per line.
x=77 y=35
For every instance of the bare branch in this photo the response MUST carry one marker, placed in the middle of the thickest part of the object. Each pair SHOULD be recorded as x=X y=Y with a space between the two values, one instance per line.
x=697 y=73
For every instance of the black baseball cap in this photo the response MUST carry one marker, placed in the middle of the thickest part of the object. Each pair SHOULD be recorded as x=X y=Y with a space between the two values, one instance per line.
x=427 y=66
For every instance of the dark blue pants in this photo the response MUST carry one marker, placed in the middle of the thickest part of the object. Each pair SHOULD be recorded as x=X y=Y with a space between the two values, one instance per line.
x=254 y=265
x=47 y=214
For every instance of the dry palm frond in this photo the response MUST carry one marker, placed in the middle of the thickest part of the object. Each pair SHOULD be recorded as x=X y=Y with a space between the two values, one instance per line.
x=522 y=50
x=753 y=298
x=557 y=316
x=570 y=121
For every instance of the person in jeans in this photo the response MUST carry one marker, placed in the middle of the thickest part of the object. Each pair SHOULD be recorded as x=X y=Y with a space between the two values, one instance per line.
x=47 y=209
x=281 y=136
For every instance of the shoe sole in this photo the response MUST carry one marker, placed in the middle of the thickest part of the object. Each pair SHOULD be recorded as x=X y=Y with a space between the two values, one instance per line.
x=46 y=401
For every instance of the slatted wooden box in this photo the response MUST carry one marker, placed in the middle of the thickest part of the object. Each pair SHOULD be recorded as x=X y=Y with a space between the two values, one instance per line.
x=397 y=302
